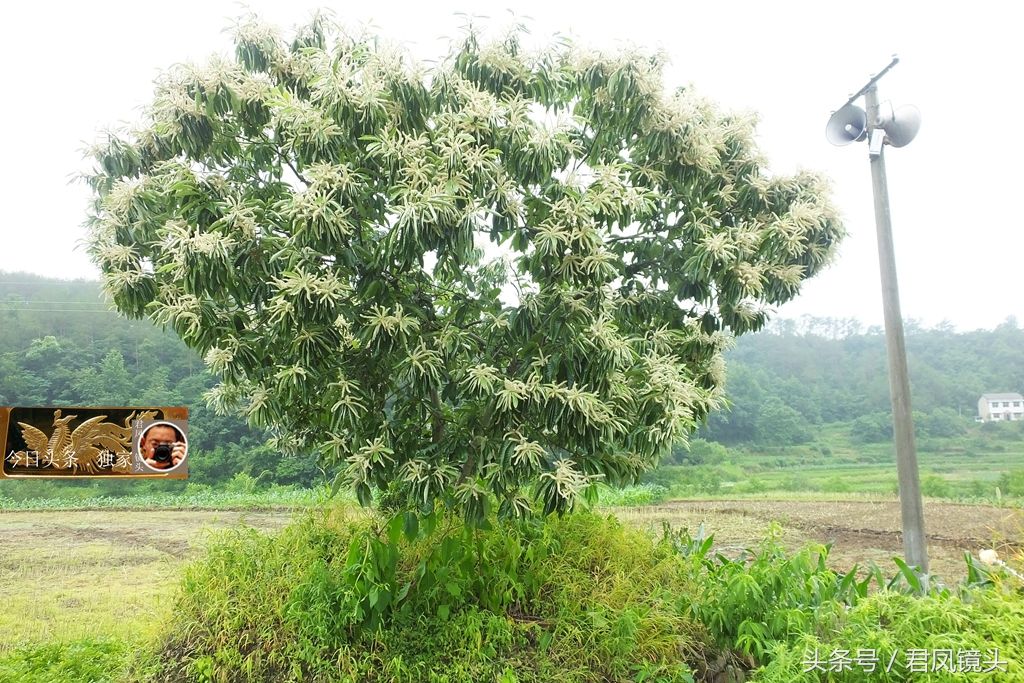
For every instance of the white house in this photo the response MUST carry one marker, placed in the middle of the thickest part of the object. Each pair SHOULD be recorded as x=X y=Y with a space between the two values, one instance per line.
x=997 y=407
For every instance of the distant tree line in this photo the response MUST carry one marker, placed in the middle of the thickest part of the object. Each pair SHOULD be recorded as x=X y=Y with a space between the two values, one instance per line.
x=794 y=375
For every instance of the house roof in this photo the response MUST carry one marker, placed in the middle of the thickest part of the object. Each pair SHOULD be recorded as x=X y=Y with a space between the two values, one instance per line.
x=1002 y=397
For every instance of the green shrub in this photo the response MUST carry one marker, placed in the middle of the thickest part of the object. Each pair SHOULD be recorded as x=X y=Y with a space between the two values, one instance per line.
x=934 y=486
x=980 y=489
x=751 y=485
x=944 y=423
x=687 y=480
x=242 y=482
x=778 y=424
x=797 y=482
x=706 y=480
x=699 y=452
x=1012 y=483
x=641 y=494
x=871 y=428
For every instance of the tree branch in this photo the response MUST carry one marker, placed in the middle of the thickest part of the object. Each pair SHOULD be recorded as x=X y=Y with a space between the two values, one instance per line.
x=437 y=413
x=623 y=238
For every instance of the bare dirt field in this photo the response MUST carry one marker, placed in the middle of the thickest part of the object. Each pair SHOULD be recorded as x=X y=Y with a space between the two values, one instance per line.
x=74 y=574
x=860 y=531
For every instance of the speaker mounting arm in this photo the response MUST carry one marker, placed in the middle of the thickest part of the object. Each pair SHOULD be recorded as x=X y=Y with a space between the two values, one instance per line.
x=874 y=79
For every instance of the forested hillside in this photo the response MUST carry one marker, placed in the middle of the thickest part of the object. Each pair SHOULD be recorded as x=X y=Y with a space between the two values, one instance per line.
x=798 y=374
x=59 y=344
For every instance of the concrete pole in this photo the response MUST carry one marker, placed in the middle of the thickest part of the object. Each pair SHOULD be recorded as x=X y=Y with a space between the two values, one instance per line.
x=914 y=541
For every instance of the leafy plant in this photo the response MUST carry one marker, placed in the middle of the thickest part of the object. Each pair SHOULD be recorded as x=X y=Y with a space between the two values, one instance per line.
x=781 y=608
x=764 y=595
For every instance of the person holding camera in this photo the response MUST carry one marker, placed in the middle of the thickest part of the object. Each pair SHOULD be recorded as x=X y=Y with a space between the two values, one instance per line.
x=162 y=446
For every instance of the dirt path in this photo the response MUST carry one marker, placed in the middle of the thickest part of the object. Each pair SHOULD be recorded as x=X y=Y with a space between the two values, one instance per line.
x=172 y=532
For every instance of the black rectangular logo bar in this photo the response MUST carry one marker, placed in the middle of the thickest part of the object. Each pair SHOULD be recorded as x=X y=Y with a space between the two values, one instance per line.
x=61 y=442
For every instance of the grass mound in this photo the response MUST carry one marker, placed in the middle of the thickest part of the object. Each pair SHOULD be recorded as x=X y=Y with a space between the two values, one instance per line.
x=329 y=599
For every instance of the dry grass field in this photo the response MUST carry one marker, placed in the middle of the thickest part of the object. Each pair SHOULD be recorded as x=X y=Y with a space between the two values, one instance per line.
x=73 y=574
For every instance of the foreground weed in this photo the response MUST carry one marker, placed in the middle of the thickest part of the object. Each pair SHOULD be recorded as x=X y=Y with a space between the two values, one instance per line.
x=782 y=610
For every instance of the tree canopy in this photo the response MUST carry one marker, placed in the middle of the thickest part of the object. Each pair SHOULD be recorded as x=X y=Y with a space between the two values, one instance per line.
x=512 y=269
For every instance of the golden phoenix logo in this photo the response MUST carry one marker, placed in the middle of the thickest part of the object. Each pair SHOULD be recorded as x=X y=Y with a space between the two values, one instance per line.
x=91 y=448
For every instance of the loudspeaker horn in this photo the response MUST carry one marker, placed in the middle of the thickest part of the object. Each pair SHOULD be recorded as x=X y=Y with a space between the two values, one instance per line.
x=900 y=125
x=849 y=124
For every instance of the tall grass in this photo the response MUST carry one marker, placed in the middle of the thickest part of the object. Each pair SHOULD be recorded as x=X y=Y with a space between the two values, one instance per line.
x=576 y=599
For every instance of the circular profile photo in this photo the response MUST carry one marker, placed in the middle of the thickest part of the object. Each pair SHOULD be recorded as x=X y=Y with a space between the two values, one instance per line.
x=162 y=446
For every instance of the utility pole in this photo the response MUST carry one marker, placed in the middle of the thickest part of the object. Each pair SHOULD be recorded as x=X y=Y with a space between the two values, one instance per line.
x=911 y=506
x=895 y=128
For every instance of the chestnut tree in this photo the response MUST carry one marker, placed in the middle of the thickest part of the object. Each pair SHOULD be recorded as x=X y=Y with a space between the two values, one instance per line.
x=510 y=275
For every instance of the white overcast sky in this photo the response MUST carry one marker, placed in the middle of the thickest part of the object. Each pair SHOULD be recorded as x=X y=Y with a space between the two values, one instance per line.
x=70 y=70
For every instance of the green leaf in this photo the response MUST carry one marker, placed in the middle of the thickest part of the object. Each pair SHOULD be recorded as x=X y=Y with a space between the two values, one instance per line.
x=428 y=522
x=363 y=495
x=395 y=526
x=339 y=479
x=909 y=574
x=411 y=525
